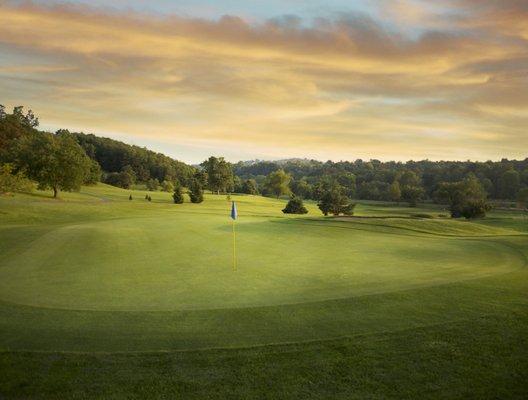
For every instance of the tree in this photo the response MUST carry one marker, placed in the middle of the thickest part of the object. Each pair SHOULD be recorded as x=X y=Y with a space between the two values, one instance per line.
x=509 y=184
x=395 y=191
x=278 y=183
x=11 y=181
x=333 y=201
x=348 y=181
x=219 y=174
x=152 y=184
x=302 y=188
x=120 y=179
x=412 y=194
x=130 y=197
x=94 y=173
x=464 y=197
x=409 y=178
x=249 y=186
x=195 y=191
x=56 y=162
x=167 y=186
x=201 y=177
x=178 y=193
x=29 y=119
x=295 y=206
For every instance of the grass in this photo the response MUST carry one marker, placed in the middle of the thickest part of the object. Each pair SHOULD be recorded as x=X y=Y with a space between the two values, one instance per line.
x=102 y=297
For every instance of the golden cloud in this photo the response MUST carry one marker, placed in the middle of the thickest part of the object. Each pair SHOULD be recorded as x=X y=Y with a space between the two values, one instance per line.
x=337 y=87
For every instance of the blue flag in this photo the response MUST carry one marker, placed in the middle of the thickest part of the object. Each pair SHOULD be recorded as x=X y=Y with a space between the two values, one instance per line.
x=234 y=213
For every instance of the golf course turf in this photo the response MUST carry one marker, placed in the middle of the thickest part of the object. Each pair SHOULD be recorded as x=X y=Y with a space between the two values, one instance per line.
x=103 y=297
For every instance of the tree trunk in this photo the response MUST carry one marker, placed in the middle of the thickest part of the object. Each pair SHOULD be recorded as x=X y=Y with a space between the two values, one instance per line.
x=55 y=192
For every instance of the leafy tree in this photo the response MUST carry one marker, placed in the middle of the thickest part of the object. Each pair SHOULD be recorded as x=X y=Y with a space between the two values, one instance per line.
x=201 y=177
x=249 y=186
x=178 y=193
x=237 y=184
x=409 y=178
x=120 y=179
x=302 y=188
x=395 y=191
x=347 y=180
x=94 y=173
x=12 y=131
x=129 y=170
x=56 y=162
x=333 y=201
x=278 y=183
x=195 y=191
x=412 y=194
x=463 y=197
x=167 y=186
x=374 y=190
x=11 y=181
x=152 y=184
x=295 y=206
x=29 y=119
x=219 y=174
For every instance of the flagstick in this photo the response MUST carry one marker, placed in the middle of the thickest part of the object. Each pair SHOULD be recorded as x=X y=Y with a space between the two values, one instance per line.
x=234 y=247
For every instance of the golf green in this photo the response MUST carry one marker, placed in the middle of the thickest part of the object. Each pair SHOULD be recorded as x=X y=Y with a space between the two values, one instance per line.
x=183 y=261
x=96 y=273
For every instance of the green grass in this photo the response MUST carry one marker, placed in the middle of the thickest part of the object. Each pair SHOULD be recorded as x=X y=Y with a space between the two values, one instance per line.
x=101 y=297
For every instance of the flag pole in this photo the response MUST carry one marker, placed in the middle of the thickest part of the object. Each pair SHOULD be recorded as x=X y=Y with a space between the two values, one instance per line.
x=234 y=216
x=234 y=247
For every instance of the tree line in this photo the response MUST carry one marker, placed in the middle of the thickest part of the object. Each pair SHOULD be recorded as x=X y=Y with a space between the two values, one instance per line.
x=65 y=160
x=390 y=181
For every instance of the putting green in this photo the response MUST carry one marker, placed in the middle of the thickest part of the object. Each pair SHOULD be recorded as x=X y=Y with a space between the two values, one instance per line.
x=179 y=261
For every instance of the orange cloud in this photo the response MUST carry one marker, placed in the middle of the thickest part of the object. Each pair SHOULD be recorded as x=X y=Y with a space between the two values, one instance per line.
x=336 y=88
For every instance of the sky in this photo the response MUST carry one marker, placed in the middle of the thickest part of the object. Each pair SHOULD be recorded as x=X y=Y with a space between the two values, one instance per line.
x=272 y=79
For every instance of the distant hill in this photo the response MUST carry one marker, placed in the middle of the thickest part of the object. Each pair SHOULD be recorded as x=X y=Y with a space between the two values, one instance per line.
x=115 y=156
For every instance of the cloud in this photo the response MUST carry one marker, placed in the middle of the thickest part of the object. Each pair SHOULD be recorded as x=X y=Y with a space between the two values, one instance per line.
x=336 y=86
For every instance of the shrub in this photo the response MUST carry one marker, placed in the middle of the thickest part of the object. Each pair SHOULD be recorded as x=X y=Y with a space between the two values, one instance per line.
x=13 y=182
x=295 y=206
x=178 y=194
x=475 y=209
x=195 y=191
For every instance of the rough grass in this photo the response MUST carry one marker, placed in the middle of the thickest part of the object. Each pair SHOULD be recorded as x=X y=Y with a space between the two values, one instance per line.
x=101 y=297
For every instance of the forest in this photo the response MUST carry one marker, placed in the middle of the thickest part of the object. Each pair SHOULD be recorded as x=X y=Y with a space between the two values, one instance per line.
x=65 y=160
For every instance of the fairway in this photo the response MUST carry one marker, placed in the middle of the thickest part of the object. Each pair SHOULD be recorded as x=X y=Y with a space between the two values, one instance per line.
x=99 y=274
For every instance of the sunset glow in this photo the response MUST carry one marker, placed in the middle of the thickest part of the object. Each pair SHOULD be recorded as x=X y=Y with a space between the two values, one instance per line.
x=326 y=80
